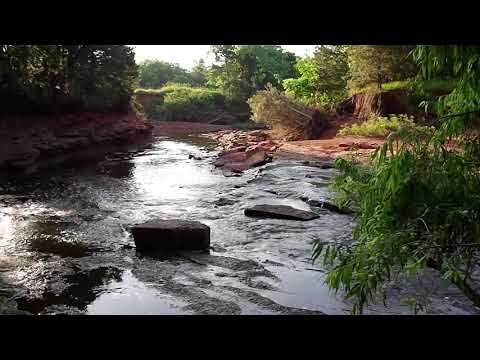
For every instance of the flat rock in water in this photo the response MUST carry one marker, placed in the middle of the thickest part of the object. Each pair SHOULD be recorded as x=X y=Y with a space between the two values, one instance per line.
x=255 y=159
x=234 y=157
x=224 y=201
x=280 y=212
x=169 y=235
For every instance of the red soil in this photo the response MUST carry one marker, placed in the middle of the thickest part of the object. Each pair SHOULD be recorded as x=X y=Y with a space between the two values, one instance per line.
x=330 y=148
x=329 y=145
x=25 y=140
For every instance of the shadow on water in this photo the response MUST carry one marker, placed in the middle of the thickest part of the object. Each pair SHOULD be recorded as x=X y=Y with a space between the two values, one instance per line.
x=52 y=238
x=84 y=287
x=119 y=169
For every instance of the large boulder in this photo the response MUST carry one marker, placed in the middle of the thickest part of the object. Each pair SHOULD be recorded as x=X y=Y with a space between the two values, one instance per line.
x=240 y=161
x=231 y=158
x=280 y=212
x=170 y=235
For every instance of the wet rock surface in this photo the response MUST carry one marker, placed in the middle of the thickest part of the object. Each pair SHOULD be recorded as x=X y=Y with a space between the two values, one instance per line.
x=243 y=150
x=66 y=245
x=323 y=204
x=224 y=202
x=171 y=235
x=36 y=141
x=238 y=162
x=280 y=212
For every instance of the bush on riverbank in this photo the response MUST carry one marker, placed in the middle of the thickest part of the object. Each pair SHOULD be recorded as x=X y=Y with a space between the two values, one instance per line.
x=381 y=126
x=181 y=102
x=417 y=206
x=289 y=119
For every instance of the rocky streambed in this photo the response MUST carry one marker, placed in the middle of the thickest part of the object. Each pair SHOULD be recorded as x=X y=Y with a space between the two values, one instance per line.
x=66 y=245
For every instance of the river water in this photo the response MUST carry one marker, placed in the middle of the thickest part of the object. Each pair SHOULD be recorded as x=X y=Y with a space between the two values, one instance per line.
x=65 y=245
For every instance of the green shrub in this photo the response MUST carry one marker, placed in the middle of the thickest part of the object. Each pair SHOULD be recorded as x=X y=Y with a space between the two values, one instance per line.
x=421 y=85
x=323 y=78
x=380 y=126
x=418 y=206
x=414 y=87
x=147 y=91
x=182 y=102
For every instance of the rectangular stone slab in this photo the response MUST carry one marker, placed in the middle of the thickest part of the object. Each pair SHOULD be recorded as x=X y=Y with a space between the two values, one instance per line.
x=280 y=212
x=169 y=235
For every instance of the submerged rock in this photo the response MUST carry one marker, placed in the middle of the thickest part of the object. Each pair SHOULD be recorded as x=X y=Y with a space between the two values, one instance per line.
x=327 y=205
x=224 y=201
x=191 y=156
x=169 y=235
x=229 y=173
x=320 y=164
x=280 y=212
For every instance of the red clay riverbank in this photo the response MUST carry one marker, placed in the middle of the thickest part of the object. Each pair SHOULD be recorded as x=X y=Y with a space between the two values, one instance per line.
x=328 y=148
x=333 y=148
x=25 y=140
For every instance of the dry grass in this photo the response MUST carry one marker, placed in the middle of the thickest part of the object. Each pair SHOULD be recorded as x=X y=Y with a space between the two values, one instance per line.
x=288 y=118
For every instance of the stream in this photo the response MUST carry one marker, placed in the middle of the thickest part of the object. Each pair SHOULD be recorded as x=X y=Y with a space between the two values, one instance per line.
x=65 y=245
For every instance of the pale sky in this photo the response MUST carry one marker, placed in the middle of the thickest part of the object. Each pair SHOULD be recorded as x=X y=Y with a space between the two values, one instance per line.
x=186 y=55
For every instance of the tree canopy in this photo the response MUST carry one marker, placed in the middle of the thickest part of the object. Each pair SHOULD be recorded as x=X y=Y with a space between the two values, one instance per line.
x=323 y=77
x=242 y=70
x=373 y=65
x=62 y=77
x=154 y=74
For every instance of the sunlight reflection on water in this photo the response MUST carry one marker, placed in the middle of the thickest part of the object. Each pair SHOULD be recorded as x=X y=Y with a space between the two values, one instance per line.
x=173 y=179
x=132 y=297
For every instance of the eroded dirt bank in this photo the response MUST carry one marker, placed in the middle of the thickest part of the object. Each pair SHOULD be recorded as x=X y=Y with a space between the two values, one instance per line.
x=27 y=141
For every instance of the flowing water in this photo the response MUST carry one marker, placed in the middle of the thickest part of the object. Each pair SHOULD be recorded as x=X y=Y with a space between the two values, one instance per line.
x=65 y=245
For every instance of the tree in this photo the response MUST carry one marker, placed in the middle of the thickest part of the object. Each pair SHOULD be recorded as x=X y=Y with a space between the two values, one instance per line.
x=323 y=77
x=199 y=74
x=373 y=65
x=57 y=77
x=271 y=64
x=418 y=204
x=244 y=69
x=153 y=74
x=459 y=62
